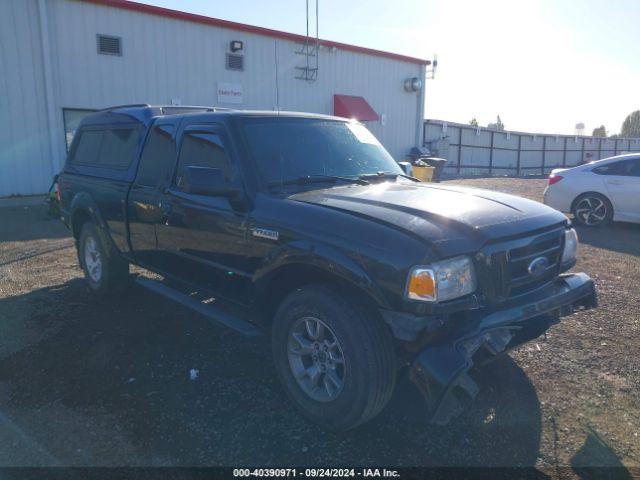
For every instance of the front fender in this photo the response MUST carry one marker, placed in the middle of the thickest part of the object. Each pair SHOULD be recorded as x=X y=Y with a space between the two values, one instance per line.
x=322 y=257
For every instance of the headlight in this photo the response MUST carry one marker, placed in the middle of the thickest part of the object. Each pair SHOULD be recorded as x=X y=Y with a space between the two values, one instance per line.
x=570 y=246
x=442 y=281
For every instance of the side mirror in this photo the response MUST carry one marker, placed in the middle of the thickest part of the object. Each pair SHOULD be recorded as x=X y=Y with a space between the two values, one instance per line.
x=407 y=168
x=208 y=181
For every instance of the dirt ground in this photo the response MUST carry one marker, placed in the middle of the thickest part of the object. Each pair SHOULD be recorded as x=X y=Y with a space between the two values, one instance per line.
x=89 y=382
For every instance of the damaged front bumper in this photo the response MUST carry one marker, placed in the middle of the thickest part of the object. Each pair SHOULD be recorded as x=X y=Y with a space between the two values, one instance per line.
x=441 y=369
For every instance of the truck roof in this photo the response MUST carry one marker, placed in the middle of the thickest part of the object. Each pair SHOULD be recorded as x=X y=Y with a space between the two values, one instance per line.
x=145 y=114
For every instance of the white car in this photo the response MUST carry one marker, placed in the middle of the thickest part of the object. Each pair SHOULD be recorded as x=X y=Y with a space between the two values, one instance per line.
x=598 y=192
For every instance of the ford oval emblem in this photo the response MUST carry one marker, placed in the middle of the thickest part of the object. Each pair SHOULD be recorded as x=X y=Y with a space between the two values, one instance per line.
x=538 y=266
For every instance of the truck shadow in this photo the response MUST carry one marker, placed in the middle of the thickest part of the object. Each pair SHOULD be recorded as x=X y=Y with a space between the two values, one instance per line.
x=618 y=237
x=141 y=381
x=29 y=223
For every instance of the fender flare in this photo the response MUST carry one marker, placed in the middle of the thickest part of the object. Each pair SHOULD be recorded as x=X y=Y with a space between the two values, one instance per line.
x=83 y=203
x=321 y=257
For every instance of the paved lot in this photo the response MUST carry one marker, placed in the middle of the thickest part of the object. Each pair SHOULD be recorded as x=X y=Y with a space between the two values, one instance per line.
x=86 y=382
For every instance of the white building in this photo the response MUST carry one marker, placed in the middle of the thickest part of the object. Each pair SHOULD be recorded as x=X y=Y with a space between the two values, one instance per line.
x=60 y=59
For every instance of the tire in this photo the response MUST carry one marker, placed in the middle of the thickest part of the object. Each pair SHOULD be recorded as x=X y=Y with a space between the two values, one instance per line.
x=104 y=269
x=592 y=210
x=368 y=368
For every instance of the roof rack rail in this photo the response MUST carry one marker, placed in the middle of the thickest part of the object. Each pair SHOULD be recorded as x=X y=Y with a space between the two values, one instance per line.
x=131 y=105
x=194 y=107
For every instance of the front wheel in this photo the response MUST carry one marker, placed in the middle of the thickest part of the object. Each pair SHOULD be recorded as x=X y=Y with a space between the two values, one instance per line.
x=335 y=362
x=104 y=269
x=592 y=210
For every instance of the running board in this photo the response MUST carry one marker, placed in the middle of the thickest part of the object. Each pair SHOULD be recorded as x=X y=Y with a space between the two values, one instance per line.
x=210 y=311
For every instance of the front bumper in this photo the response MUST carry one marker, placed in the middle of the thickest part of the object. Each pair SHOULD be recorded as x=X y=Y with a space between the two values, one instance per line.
x=441 y=369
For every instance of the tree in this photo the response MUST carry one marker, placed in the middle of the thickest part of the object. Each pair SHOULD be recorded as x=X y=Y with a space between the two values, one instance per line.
x=599 y=132
x=496 y=126
x=473 y=122
x=631 y=125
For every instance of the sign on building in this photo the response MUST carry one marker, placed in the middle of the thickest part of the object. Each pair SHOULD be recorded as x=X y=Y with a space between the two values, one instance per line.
x=229 y=92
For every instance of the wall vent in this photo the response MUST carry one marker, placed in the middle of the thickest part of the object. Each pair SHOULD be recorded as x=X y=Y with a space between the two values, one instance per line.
x=235 y=62
x=109 y=45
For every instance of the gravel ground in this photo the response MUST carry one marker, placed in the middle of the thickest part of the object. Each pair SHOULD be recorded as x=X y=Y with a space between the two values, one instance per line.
x=89 y=382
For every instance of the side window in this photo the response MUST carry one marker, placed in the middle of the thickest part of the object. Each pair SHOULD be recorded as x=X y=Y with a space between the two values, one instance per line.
x=630 y=168
x=88 y=148
x=158 y=157
x=610 y=169
x=72 y=118
x=634 y=171
x=110 y=148
x=202 y=149
x=118 y=147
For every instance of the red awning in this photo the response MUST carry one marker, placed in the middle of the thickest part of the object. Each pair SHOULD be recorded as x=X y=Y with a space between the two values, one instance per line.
x=349 y=106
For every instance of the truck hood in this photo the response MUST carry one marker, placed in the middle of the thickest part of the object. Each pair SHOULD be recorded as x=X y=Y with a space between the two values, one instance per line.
x=452 y=220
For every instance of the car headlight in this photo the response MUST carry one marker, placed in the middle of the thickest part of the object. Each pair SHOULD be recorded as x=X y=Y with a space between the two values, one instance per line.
x=570 y=246
x=442 y=281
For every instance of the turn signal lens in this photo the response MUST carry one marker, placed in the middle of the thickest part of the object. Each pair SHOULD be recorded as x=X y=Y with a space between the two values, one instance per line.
x=422 y=285
x=442 y=281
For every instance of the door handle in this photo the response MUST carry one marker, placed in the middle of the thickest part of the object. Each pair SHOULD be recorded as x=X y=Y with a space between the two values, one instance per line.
x=166 y=208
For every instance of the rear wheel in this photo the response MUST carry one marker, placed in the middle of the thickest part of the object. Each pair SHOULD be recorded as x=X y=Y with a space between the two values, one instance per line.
x=592 y=210
x=335 y=361
x=104 y=269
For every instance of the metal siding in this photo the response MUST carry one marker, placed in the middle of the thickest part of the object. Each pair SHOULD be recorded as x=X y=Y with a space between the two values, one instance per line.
x=192 y=77
x=165 y=59
x=24 y=157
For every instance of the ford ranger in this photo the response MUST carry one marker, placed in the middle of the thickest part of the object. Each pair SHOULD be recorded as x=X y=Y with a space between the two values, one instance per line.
x=303 y=226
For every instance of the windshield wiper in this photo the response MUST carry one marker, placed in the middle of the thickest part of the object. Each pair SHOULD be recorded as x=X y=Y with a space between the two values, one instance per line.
x=385 y=176
x=306 y=180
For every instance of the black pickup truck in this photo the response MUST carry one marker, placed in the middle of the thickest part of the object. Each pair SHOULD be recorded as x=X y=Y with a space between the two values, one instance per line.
x=304 y=226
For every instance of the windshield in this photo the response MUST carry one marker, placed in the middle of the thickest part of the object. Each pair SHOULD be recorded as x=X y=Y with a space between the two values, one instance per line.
x=286 y=149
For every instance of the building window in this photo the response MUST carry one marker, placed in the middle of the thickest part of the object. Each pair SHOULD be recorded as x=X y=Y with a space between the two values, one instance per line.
x=72 y=118
x=109 y=45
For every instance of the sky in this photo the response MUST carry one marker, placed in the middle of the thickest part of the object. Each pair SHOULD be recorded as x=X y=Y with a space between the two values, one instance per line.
x=542 y=65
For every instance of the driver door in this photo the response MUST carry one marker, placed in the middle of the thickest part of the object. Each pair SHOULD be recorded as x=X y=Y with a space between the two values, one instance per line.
x=623 y=185
x=204 y=237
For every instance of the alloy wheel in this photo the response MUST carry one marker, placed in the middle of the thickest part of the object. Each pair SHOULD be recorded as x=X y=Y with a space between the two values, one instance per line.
x=316 y=359
x=92 y=259
x=591 y=211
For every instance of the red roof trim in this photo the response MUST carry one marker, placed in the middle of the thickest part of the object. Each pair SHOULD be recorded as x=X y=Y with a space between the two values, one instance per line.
x=192 y=17
x=350 y=106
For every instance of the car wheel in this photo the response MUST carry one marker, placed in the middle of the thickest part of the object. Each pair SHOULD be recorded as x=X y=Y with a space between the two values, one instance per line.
x=336 y=363
x=104 y=270
x=592 y=210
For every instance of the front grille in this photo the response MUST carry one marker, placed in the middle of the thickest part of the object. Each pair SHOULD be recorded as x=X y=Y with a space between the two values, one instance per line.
x=506 y=266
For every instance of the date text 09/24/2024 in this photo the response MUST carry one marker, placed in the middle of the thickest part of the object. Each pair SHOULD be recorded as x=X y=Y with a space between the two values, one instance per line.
x=316 y=472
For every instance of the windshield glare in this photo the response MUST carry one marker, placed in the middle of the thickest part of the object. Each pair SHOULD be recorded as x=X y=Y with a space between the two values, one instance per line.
x=290 y=148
